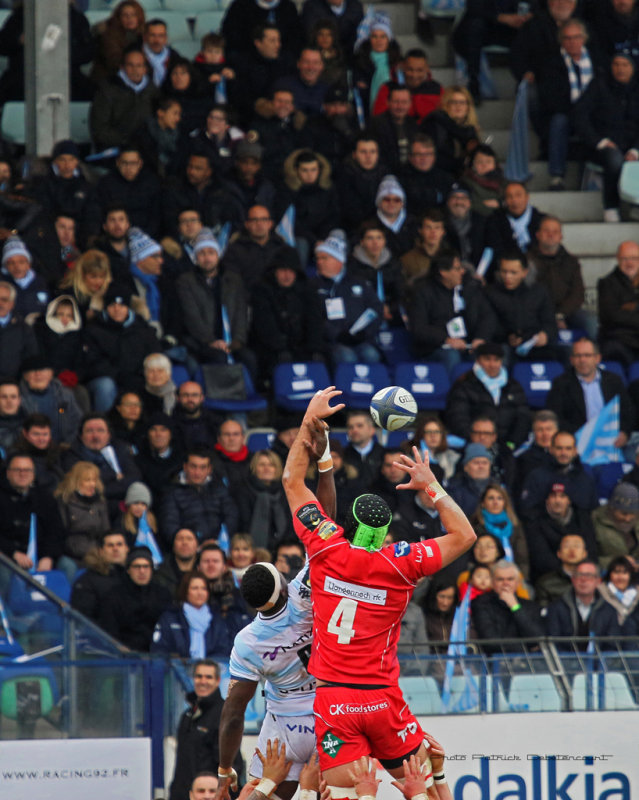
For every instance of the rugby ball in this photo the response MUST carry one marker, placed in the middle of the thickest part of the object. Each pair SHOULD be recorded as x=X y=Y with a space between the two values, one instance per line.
x=393 y=408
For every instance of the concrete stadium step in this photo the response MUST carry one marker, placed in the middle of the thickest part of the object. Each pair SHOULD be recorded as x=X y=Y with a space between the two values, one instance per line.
x=502 y=76
x=593 y=268
x=540 y=177
x=570 y=206
x=598 y=239
x=496 y=113
x=499 y=140
x=402 y=16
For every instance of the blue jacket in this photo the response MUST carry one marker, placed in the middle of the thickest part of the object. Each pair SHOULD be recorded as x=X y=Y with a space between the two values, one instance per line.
x=171 y=636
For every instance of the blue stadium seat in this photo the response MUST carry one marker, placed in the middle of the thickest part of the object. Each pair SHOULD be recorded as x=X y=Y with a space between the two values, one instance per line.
x=37 y=611
x=607 y=476
x=533 y=693
x=294 y=384
x=396 y=438
x=260 y=439
x=617 y=368
x=340 y=434
x=179 y=25
x=208 y=22
x=421 y=694
x=252 y=402
x=428 y=383
x=97 y=15
x=179 y=374
x=570 y=335
x=359 y=382
x=536 y=378
x=395 y=344
x=633 y=371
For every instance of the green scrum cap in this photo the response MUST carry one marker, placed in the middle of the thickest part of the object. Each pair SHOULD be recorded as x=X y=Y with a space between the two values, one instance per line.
x=371 y=518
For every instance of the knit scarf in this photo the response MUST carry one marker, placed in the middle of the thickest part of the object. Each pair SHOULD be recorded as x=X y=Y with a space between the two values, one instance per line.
x=380 y=76
x=150 y=283
x=501 y=526
x=137 y=87
x=166 y=139
x=167 y=392
x=492 y=385
x=395 y=225
x=158 y=62
x=239 y=456
x=625 y=598
x=199 y=620
x=578 y=83
x=519 y=227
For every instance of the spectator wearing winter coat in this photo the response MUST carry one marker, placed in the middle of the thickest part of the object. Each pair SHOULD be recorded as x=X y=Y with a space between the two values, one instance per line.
x=253 y=250
x=582 y=611
x=112 y=457
x=194 y=423
x=400 y=226
x=552 y=585
x=104 y=570
x=115 y=346
x=426 y=185
x=131 y=612
x=59 y=335
x=20 y=502
x=425 y=92
x=567 y=470
x=284 y=327
x=447 y=314
x=279 y=126
x=191 y=630
x=123 y=102
x=512 y=227
x=43 y=394
x=12 y=415
x=160 y=454
x=467 y=488
x=197 y=501
x=351 y=309
x=525 y=315
x=84 y=513
x=617 y=525
x=133 y=187
x=36 y=441
x=488 y=389
x=246 y=183
x=394 y=129
x=617 y=298
x=32 y=294
x=245 y=15
x=202 y=293
x=346 y=15
x=357 y=181
x=180 y=561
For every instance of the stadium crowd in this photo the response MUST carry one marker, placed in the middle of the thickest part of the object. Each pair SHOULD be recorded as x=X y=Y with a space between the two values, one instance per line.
x=164 y=251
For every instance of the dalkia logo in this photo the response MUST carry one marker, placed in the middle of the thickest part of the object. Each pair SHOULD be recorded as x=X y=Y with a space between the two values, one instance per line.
x=577 y=784
x=331 y=744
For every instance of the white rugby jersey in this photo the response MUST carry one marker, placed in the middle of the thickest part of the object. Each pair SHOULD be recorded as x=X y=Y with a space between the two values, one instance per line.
x=276 y=649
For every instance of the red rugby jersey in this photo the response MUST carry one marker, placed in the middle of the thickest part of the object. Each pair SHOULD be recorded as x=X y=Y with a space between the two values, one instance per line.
x=359 y=599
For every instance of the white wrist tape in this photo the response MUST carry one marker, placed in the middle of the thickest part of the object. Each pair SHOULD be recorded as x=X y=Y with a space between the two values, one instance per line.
x=435 y=491
x=265 y=786
x=307 y=794
x=325 y=462
x=420 y=796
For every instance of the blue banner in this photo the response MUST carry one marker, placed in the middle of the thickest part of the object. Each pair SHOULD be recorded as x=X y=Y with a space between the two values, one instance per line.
x=596 y=439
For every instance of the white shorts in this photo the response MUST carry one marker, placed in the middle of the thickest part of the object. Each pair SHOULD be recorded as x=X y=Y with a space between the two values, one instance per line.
x=297 y=733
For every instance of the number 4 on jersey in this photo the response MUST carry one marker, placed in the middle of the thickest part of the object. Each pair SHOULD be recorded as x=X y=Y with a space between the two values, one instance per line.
x=341 y=622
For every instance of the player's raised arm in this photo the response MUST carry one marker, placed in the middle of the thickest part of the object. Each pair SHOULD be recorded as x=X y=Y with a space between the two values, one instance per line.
x=297 y=462
x=460 y=535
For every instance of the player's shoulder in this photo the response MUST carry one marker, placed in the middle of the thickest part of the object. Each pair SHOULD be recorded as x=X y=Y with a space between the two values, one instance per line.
x=313 y=518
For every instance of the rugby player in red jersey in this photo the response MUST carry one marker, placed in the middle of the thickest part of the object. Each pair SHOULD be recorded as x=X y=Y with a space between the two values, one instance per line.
x=360 y=591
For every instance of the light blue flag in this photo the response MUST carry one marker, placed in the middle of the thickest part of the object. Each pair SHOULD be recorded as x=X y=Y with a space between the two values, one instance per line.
x=517 y=160
x=145 y=538
x=226 y=332
x=469 y=697
x=399 y=75
x=223 y=236
x=224 y=540
x=596 y=439
x=220 y=91
x=359 y=107
x=286 y=226
x=32 y=548
x=8 y=635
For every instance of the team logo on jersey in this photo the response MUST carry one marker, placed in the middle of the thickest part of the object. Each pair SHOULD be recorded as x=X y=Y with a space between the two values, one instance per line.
x=401 y=549
x=312 y=518
x=410 y=728
x=331 y=744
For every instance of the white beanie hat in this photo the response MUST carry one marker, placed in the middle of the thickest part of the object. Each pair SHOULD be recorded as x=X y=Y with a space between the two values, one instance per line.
x=205 y=239
x=14 y=246
x=334 y=245
x=389 y=185
x=141 y=245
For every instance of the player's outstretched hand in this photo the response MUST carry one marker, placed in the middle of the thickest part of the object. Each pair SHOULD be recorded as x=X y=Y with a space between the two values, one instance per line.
x=315 y=444
x=310 y=774
x=319 y=405
x=435 y=752
x=414 y=781
x=418 y=468
x=364 y=777
x=274 y=764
